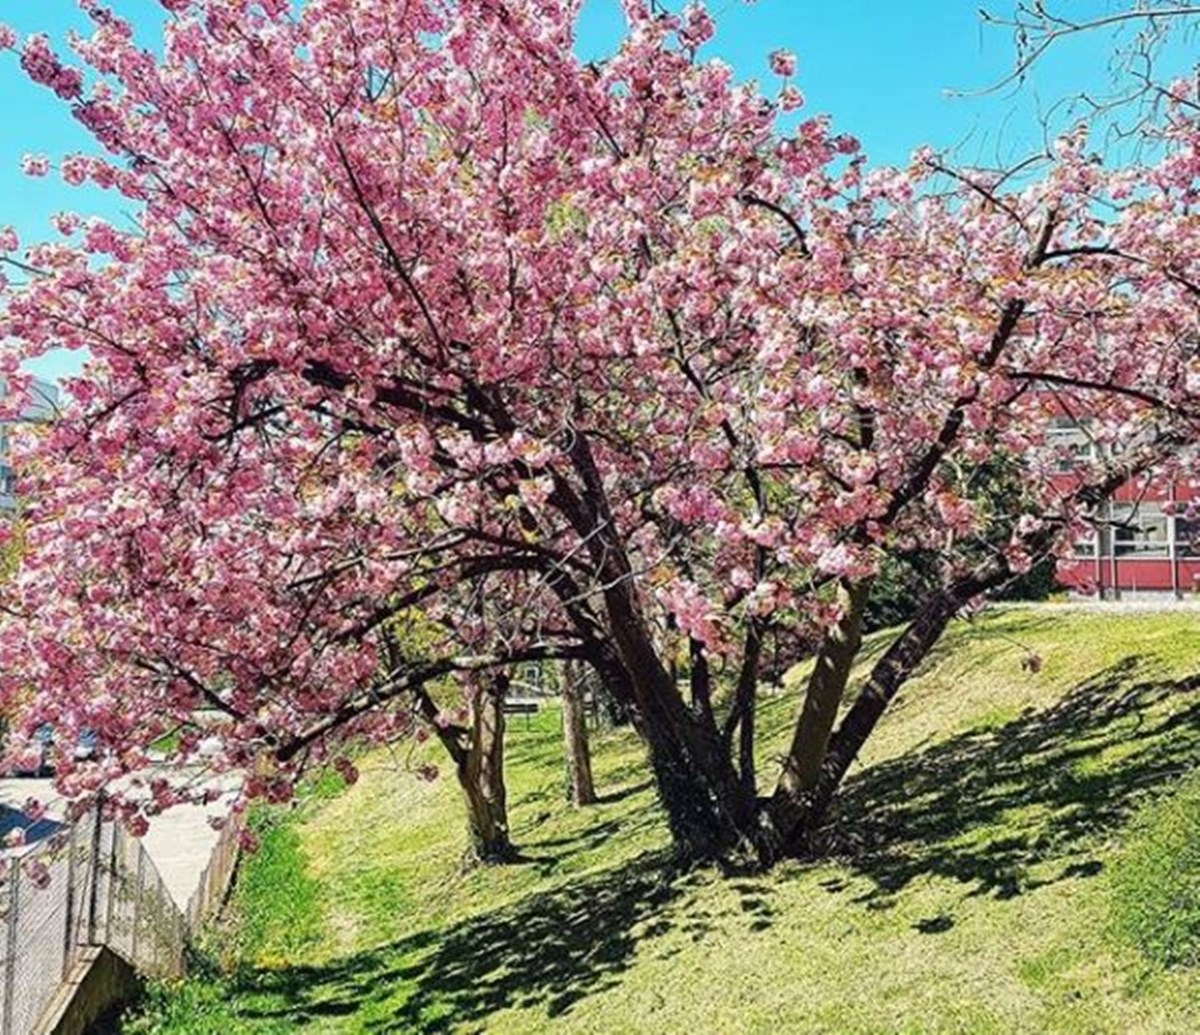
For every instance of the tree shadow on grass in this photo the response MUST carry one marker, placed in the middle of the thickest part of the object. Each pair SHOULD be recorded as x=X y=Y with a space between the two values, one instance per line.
x=1009 y=809
x=999 y=811
x=550 y=949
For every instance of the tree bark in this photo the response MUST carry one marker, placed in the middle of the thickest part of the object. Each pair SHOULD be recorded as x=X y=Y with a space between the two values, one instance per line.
x=575 y=738
x=707 y=813
x=884 y=682
x=746 y=703
x=823 y=696
x=480 y=770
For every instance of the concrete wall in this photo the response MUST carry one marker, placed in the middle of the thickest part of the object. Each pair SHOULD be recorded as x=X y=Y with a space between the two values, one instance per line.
x=99 y=981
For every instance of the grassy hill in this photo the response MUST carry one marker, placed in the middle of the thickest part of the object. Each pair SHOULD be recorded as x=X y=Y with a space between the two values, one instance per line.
x=1004 y=856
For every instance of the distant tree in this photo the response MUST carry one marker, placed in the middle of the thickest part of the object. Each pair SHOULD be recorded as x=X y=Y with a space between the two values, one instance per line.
x=581 y=790
x=424 y=320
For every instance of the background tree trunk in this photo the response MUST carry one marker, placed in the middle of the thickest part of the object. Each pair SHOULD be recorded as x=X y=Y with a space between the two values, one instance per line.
x=480 y=770
x=575 y=737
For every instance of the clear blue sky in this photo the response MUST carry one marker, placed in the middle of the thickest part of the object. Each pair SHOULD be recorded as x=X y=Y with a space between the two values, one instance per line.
x=881 y=68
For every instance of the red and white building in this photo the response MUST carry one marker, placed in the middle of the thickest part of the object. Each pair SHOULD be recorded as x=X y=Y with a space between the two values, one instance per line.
x=1144 y=545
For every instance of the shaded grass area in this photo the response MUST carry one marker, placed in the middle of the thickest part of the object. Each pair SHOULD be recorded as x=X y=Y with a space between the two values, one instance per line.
x=968 y=883
x=1050 y=780
x=1157 y=880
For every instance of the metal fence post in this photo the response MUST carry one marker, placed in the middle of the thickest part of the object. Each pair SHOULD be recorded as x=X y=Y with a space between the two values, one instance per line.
x=69 y=919
x=137 y=905
x=10 y=962
x=95 y=869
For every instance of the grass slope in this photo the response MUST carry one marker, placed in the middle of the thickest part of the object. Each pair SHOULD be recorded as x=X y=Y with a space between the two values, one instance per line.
x=973 y=893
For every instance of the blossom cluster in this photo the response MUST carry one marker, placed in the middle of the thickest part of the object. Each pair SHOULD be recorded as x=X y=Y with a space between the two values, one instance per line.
x=437 y=348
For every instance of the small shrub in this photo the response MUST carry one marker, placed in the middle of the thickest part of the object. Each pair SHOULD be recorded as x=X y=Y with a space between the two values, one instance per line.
x=1156 y=880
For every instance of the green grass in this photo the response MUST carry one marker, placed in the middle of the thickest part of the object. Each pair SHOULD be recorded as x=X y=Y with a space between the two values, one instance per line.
x=272 y=926
x=975 y=884
x=1157 y=880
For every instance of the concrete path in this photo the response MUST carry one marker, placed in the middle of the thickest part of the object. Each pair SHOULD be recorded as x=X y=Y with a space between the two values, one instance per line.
x=180 y=842
x=1126 y=605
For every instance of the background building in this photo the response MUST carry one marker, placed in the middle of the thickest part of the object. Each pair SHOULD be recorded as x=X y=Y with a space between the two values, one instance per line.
x=1144 y=543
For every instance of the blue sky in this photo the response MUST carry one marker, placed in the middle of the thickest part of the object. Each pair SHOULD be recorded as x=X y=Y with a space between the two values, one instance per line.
x=883 y=69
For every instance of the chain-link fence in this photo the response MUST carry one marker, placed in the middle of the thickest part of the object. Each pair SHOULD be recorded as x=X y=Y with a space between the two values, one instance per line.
x=218 y=874
x=88 y=883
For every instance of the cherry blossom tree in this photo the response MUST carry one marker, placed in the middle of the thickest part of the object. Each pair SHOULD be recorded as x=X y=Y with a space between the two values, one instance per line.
x=433 y=351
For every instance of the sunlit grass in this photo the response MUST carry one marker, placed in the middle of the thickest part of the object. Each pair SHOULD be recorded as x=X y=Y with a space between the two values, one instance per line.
x=969 y=888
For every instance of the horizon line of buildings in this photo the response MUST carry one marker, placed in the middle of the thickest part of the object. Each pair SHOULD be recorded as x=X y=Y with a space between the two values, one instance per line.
x=1142 y=545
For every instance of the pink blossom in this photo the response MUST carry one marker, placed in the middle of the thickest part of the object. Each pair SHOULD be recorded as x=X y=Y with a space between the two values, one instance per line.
x=43 y=66
x=137 y=825
x=74 y=169
x=35 y=165
x=790 y=98
x=783 y=63
x=66 y=223
x=698 y=26
x=38 y=873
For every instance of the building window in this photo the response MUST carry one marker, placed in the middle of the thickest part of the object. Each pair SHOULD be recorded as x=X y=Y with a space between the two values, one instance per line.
x=1140 y=530
x=1187 y=536
x=1070 y=442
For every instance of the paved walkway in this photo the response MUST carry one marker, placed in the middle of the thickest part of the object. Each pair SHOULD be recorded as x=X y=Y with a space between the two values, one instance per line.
x=180 y=842
x=1131 y=605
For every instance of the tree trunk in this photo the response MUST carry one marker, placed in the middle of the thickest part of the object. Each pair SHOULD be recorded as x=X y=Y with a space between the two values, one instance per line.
x=707 y=812
x=709 y=815
x=480 y=770
x=912 y=647
x=612 y=706
x=745 y=711
x=575 y=738
x=831 y=672
x=886 y=678
x=697 y=782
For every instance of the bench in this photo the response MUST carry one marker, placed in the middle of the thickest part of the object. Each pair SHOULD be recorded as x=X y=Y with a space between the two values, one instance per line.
x=521 y=707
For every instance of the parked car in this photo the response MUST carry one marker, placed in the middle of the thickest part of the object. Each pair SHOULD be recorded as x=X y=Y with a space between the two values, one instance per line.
x=42 y=765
